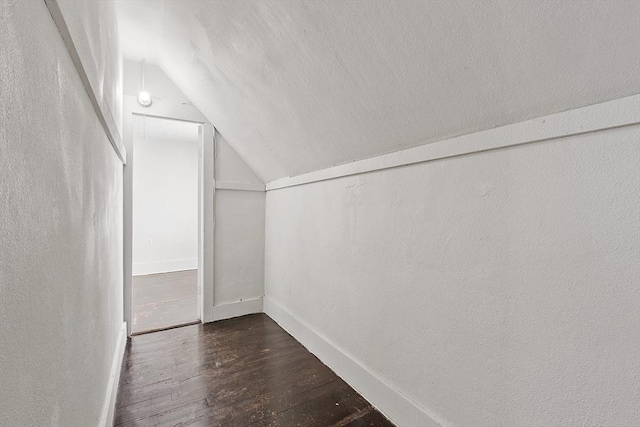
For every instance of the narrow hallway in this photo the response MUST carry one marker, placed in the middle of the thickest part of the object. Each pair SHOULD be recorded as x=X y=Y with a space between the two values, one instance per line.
x=319 y=213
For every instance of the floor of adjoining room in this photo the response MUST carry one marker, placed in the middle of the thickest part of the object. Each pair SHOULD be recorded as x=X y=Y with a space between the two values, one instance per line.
x=246 y=371
x=163 y=300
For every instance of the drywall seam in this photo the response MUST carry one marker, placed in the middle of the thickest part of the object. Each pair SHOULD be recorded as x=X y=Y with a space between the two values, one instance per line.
x=243 y=307
x=103 y=112
x=393 y=404
x=109 y=409
x=239 y=186
x=607 y=115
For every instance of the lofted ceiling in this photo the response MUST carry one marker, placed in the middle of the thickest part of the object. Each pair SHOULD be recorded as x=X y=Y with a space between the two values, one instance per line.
x=300 y=86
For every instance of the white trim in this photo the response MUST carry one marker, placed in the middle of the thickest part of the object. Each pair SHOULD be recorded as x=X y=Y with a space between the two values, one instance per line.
x=207 y=221
x=243 y=307
x=239 y=186
x=607 y=115
x=102 y=110
x=167 y=266
x=401 y=410
x=109 y=409
x=200 y=258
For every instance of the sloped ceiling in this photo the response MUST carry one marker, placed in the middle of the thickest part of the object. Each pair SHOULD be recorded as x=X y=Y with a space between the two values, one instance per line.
x=300 y=86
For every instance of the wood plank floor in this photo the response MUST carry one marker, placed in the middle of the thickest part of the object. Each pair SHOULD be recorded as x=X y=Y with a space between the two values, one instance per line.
x=163 y=300
x=245 y=371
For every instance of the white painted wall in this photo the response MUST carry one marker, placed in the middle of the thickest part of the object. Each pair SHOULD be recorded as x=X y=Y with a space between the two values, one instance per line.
x=239 y=258
x=239 y=236
x=498 y=288
x=60 y=228
x=230 y=167
x=165 y=195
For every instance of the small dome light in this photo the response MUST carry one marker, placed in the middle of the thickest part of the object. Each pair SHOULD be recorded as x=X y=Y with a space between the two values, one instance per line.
x=144 y=99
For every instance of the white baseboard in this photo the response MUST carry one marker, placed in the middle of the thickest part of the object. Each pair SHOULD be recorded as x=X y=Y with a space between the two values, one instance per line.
x=109 y=409
x=237 y=308
x=144 y=268
x=398 y=408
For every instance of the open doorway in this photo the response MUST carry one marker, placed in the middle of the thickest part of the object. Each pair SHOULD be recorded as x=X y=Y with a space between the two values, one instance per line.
x=165 y=232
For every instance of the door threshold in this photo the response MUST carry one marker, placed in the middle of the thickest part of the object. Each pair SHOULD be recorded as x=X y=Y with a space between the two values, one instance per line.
x=166 y=328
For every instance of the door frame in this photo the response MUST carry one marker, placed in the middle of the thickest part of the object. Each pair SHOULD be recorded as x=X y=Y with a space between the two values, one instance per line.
x=206 y=189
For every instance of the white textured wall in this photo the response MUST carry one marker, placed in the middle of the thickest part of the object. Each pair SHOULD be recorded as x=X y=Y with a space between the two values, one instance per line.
x=239 y=235
x=239 y=250
x=230 y=167
x=165 y=195
x=60 y=231
x=492 y=289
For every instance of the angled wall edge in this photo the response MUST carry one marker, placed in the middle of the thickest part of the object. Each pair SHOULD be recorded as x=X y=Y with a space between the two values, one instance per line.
x=102 y=109
x=607 y=115
x=239 y=186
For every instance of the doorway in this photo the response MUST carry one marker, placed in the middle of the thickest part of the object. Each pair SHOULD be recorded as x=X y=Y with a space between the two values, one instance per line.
x=166 y=184
x=142 y=123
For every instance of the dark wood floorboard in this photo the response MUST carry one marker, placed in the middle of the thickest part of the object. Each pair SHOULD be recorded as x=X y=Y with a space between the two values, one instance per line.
x=245 y=371
x=164 y=300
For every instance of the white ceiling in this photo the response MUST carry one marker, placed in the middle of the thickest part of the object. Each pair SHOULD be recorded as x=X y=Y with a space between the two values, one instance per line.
x=300 y=86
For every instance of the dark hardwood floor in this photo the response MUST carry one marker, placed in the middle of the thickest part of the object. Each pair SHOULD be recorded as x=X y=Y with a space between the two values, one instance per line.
x=164 y=300
x=245 y=371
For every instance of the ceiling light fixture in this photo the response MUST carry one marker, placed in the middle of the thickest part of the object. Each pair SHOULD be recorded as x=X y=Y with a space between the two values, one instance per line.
x=144 y=98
